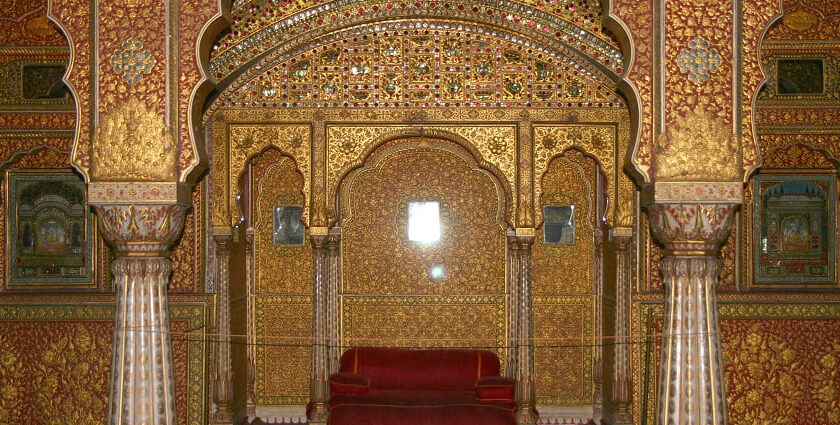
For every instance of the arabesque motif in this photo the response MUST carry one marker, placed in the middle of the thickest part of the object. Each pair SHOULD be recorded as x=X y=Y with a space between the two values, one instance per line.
x=133 y=144
x=698 y=147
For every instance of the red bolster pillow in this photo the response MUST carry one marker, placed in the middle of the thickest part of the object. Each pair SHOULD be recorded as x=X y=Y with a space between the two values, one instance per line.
x=495 y=388
x=349 y=383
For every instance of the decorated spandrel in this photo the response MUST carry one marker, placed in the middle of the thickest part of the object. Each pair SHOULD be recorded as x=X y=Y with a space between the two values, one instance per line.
x=50 y=230
x=794 y=229
x=559 y=227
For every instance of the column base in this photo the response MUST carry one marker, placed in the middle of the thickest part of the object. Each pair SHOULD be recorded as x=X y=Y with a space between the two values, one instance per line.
x=319 y=415
x=525 y=416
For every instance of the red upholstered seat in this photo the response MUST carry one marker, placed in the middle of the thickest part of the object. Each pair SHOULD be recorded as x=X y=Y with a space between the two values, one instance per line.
x=414 y=387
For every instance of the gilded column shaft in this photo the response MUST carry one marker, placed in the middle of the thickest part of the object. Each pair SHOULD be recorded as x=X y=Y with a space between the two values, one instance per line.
x=142 y=390
x=598 y=289
x=511 y=368
x=691 y=369
x=333 y=313
x=223 y=385
x=320 y=363
x=251 y=397
x=525 y=391
x=621 y=349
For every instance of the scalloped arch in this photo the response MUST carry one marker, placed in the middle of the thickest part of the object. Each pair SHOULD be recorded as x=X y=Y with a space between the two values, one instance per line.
x=412 y=139
x=544 y=71
x=260 y=25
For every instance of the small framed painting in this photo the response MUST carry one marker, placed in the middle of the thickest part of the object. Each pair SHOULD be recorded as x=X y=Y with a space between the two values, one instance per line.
x=794 y=229
x=50 y=232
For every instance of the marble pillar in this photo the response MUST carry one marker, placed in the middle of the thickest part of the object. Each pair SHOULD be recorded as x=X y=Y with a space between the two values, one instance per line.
x=691 y=369
x=141 y=235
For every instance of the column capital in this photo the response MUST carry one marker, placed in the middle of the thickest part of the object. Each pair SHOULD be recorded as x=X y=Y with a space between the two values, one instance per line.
x=691 y=229
x=140 y=219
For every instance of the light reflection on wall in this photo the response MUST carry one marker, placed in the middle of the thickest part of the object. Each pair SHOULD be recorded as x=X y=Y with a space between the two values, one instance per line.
x=424 y=222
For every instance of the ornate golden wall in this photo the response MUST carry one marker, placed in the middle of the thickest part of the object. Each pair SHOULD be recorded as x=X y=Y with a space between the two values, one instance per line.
x=780 y=358
x=56 y=358
x=363 y=166
x=389 y=297
x=564 y=287
x=282 y=286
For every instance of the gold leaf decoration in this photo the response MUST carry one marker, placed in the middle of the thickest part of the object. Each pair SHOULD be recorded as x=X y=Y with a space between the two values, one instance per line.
x=132 y=144
x=698 y=147
x=799 y=20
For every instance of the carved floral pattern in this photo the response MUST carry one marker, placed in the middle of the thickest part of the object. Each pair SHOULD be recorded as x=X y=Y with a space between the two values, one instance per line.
x=147 y=228
x=279 y=269
x=472 y=246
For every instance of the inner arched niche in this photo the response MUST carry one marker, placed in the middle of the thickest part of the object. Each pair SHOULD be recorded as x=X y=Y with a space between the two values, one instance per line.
x=390 y=297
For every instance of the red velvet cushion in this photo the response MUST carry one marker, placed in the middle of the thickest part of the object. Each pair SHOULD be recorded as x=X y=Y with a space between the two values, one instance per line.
x=404 y=369
x=348 y=383
x=495 y=388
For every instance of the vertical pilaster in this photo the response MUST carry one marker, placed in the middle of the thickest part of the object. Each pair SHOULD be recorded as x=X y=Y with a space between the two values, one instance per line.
x=333 y=304
x=598 y=357
x=512 y=306
x=691 y=369
x=525 y=390
x=251 y=329
x=223 y=376
x=622 y=390
x=319 y=375
x=141 y=388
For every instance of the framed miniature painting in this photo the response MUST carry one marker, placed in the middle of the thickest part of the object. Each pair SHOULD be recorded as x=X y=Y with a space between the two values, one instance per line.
x=794 y=229
x=49 y=232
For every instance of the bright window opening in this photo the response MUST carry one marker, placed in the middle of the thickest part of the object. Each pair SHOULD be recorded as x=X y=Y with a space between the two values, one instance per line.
x=424 y=222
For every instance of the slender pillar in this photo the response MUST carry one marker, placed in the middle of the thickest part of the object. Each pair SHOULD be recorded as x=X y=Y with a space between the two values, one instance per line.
x=598 y=360
x=512 y=307
x=525 y=391
x=141 y=388
x=333 y=294
x=251 y=367
x=223 y=376
x=691 y=369
x=319 y=375
x=622 y=393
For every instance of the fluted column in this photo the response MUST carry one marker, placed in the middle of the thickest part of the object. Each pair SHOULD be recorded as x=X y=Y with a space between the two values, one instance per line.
x=525 y=392
x=223 y=376
x=319 y=375
x=691 y=370
x=512 y=306
x=141 y=388
x=333 y=293
x=622 y=390
x=598 y=351
x=251 y=327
